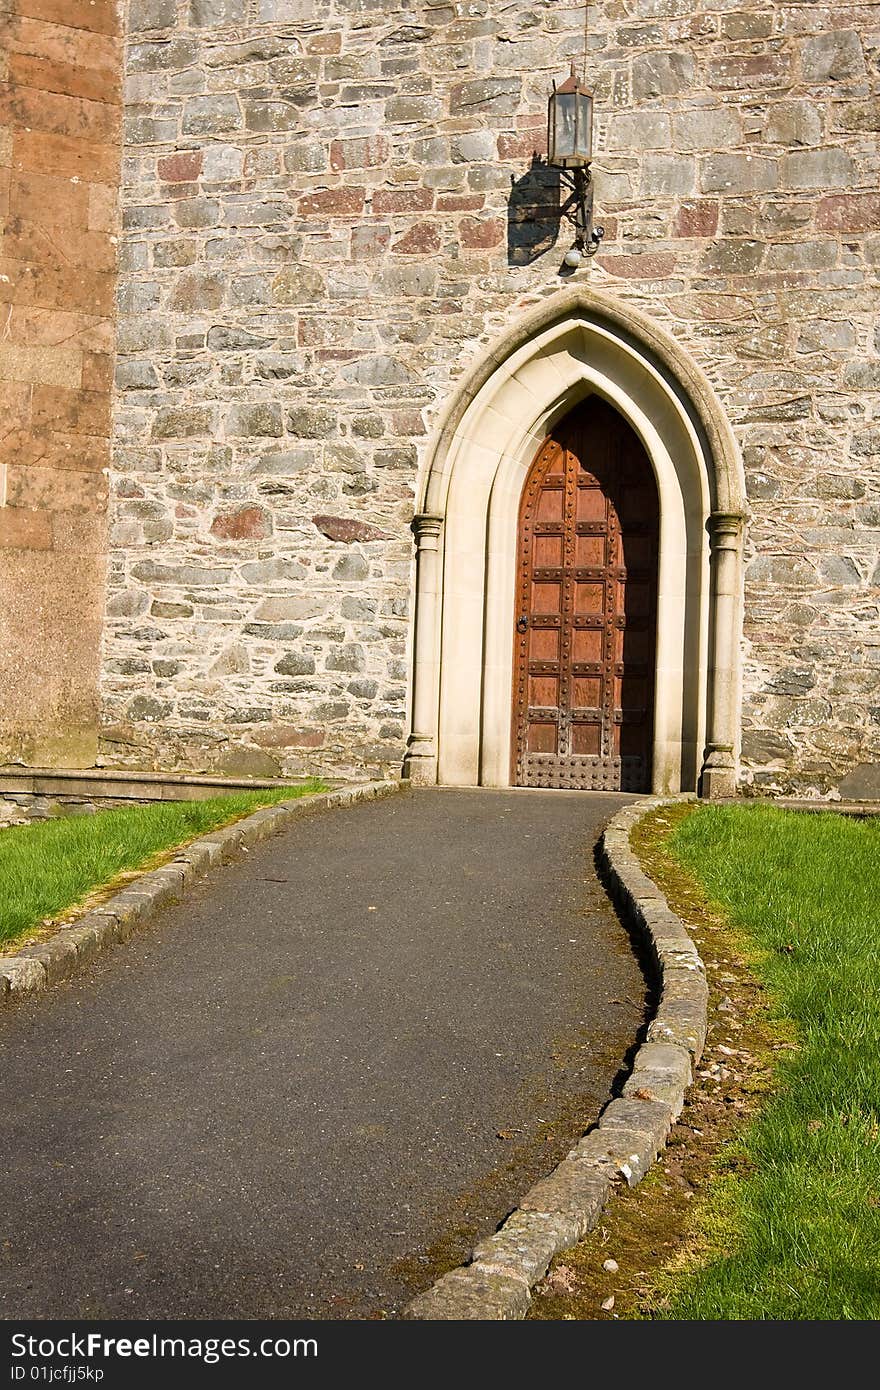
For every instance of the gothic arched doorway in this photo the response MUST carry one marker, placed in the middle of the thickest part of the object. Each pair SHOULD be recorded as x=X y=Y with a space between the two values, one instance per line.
x=586 y=601
x=580 y=346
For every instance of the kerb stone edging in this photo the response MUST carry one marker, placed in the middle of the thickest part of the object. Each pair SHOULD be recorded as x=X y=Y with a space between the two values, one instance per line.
x=560 y=1209
x=71 y=948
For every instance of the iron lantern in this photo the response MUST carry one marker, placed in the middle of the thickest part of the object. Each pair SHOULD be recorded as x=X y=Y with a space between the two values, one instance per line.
x=570 y=125
x=570 y=150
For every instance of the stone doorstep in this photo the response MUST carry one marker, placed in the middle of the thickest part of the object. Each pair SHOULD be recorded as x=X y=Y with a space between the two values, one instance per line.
x=562 y=1208
x=71 y=948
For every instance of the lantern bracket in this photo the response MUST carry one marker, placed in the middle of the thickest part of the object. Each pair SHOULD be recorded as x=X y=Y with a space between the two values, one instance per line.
x=578 y=209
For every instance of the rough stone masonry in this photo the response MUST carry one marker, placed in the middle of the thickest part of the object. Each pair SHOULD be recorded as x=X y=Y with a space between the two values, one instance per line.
x=328 y=208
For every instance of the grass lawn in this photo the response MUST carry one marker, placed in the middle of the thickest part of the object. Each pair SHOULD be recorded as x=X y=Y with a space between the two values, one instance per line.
x=49 y=867
x=790 y=1228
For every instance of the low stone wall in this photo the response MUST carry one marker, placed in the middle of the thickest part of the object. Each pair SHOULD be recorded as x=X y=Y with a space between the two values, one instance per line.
x=37 y=795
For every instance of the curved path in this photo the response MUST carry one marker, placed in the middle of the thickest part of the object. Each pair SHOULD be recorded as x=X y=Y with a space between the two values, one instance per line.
x=307 y=1089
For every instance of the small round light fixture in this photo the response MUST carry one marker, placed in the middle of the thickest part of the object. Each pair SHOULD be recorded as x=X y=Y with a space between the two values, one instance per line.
x=573 y=257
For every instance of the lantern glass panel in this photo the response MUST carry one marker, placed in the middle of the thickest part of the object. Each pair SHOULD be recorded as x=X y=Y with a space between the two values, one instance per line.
x=564 y=108
x=570 y=121
x=585 y=127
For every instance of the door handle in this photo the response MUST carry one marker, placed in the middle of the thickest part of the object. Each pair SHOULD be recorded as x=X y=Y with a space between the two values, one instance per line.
x=522 y=624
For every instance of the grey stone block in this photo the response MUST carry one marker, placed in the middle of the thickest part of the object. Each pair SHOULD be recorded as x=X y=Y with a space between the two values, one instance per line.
x=662 y=73
x=833 y=56
x=259 y=826
x=472 y=1294
x=200 y=856
x=862 y=783
x=185 y=868
x=627 y=1152
x=526 y=1243
x=162 y=885
x=22 y=974
x=228 y=841
x=649 y=1117
x=665 y=930
x=574 y=1190
x=107 y=924
x=685 y=986
x=657 y=1086
x=57 y=956
x=681 y=1023
x=85 y=941
x=664 y=1057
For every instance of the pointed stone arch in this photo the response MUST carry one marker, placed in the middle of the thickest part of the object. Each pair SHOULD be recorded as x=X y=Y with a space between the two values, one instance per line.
x=579 y=342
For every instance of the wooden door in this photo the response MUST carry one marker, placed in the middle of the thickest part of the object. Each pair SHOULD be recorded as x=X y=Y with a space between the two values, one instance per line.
x=584 y=647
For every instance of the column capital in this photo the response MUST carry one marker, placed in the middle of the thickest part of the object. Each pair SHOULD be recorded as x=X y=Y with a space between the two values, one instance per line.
x=725 y=529
x=426 y=527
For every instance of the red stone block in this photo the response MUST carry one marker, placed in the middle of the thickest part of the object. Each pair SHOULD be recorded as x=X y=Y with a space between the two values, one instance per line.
x=522 y=146
x=461 y=202
x=244 y=524
x=849 y=212
x=481 y=234
x=59 y=43
x=359 y=154
x=403 y=200
x=422 y=239
x=51 y=489
x=55 y=449
x=348 y=529
x=325 y=43
x=97 y=371
x=333 y=202
x=696 y=219
x=48 y=287
x=48 y=201
x=654 y=266
x=182 y=167
x=407 y=423
x=15 y=413
x=59 y=115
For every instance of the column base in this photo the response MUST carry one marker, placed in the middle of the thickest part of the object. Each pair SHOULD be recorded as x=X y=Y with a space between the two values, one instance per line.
x=420 y=763
x=718 y=778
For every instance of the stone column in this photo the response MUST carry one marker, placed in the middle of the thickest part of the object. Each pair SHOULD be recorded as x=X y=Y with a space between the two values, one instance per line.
x=718 y=777
x=420 y=763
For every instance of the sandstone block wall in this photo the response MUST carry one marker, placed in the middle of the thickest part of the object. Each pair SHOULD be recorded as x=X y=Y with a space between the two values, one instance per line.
x=330 y=207
x=60 y=124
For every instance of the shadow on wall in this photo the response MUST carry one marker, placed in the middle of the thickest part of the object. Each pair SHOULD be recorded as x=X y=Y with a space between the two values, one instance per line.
x=532 y=213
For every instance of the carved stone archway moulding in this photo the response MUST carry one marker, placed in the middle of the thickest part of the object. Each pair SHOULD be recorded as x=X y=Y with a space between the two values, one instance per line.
x=579 y=342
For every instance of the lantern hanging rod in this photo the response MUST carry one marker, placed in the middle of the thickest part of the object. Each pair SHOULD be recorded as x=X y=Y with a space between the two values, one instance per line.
x=578 y=209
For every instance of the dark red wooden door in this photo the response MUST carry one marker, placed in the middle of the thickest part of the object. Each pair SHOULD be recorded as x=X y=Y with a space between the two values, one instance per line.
x=583 y=697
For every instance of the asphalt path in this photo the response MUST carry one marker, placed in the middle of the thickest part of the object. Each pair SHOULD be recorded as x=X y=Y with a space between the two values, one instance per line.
x=305 y=1090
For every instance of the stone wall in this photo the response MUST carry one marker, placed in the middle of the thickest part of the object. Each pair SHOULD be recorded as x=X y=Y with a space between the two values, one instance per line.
x=331 y=207
x=60 y=124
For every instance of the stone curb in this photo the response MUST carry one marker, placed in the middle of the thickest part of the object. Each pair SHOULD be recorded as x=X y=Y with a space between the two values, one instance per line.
x=560 y=1209
x=72 y=948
